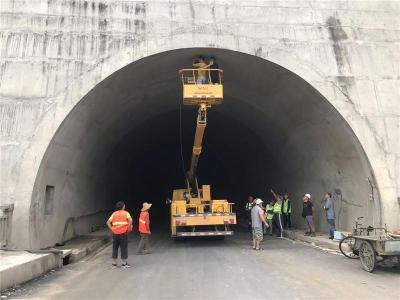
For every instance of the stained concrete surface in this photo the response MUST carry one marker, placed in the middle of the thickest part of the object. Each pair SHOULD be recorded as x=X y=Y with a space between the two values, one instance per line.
x=273 y=130
x=53 y=53
x=209 y=269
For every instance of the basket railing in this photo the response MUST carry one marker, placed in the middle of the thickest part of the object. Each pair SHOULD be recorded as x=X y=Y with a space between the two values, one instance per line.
x=191 y=76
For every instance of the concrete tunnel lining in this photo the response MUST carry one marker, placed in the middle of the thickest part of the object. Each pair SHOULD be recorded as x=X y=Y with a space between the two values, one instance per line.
x=121 y=141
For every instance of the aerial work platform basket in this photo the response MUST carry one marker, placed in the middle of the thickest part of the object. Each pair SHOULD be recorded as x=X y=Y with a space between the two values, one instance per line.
x=196 y=91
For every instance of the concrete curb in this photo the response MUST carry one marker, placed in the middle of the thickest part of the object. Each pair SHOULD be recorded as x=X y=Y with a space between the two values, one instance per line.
x=29 y=267
x=78 y=254
x=17 y=267
x=319 y=240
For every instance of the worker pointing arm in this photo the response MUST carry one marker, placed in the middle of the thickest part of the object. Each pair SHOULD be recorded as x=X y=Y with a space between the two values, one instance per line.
x=277 y=197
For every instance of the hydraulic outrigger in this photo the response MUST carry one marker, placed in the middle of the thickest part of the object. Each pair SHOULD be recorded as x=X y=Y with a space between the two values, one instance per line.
x=193 y=212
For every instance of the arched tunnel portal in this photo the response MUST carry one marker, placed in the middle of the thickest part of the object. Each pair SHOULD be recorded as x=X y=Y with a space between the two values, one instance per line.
x=122 y=141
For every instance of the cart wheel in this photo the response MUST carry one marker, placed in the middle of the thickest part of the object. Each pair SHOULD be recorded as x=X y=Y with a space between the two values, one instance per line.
x=347 y=245
x=367 y=256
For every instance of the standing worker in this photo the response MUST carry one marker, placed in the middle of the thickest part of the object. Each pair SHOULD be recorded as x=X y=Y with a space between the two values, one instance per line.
x=287 y=211
x=144 y=229
x=269 y=214
x=277 y=219
x=330 y=214
x=201 y=65
x=214 y=74
x=120 y=223
x=257 y=221
x=249 y=205
x=308 y=209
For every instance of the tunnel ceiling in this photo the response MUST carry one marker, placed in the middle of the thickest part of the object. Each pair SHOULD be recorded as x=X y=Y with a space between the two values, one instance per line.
x=273 y=129
x=262 y=96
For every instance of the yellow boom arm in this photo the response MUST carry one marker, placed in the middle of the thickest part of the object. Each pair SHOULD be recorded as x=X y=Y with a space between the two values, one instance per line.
x=191 y=176
x=204 y=95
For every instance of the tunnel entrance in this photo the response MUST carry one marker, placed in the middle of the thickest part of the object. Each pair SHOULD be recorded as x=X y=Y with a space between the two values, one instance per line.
x=122 y=142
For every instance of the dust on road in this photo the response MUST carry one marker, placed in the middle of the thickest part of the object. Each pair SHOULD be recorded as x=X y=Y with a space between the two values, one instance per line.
x=211 y=269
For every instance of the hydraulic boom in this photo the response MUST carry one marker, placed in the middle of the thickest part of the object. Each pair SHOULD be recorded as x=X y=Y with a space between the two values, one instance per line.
x=193 y=212
x=191 y=176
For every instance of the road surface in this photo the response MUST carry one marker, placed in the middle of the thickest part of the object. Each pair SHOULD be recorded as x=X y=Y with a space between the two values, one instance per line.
x=210 y=269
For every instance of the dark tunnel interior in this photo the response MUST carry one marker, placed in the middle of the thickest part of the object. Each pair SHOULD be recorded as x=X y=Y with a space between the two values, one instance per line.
x=152 y=170
x=122 y=141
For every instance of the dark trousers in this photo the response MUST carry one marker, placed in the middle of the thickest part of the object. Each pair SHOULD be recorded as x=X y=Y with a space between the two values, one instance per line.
x=248 y=220
x=331 y=225
x=249 y=228
x=270 y=226
x=120 y=241
x=277 y=219
x=287 y=223
x=144 y=243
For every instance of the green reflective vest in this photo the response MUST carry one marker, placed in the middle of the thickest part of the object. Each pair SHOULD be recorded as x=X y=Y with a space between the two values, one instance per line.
x=278 y=206
x=287 y=208
x=249 y=206
x=269 y=209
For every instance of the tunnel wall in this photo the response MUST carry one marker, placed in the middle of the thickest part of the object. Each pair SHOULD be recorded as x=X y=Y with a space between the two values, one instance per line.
x=54 y=52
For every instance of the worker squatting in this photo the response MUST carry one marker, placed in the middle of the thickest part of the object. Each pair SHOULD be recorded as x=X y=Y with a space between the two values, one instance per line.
x=277 y=215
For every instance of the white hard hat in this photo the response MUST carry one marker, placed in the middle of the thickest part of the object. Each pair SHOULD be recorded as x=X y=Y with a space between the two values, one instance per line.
x=258 y=201
x=308 y=196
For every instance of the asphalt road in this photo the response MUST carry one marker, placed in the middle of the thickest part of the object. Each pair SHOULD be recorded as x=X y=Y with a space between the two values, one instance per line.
x=211 y=269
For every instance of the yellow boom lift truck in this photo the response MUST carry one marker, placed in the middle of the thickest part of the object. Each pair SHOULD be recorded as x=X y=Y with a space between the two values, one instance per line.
x=193 y=211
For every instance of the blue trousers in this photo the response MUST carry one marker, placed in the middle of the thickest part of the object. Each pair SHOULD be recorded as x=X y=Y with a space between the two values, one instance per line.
x=331 y=225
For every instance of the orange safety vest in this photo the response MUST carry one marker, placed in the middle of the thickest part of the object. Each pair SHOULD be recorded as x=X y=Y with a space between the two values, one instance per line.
x=120 y=222
x=142 y=222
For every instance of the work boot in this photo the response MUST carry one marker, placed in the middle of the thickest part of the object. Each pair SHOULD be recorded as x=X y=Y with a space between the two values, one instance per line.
x=312 y=234
x=307 y=233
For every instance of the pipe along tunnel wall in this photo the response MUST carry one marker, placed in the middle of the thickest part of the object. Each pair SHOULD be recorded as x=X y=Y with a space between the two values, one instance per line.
x=122 y=142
